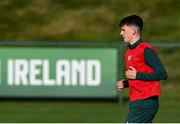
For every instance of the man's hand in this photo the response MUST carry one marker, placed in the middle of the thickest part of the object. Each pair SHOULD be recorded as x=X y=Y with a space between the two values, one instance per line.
x=131 y=73
x=120 y=85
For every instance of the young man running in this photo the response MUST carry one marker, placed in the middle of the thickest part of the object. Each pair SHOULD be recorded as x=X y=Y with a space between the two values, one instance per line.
x=143 y=71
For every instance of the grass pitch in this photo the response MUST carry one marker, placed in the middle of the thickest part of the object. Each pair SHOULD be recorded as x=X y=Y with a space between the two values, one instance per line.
x=86 y=112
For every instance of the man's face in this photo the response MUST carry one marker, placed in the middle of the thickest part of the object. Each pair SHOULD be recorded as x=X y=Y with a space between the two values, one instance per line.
x=127 y=33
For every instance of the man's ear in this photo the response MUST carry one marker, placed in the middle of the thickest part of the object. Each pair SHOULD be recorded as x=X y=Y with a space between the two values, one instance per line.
x=134 y=31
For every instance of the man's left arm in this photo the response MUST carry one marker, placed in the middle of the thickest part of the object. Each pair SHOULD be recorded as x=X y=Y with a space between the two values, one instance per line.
x=154 y=62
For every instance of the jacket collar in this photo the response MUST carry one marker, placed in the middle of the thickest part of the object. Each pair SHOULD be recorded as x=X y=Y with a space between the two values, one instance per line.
x=133 y=46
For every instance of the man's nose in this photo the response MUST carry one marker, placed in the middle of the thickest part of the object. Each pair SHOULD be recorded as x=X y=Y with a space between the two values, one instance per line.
x=120 y=33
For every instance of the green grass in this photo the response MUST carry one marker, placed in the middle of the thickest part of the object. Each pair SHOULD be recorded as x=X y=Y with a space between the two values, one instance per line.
x=61 y=112
x=169 y=105
x=86 y=20
x=49 y=112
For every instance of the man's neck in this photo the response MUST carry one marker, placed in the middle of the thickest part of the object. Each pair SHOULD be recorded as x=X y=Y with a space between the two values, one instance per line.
x=134 y=40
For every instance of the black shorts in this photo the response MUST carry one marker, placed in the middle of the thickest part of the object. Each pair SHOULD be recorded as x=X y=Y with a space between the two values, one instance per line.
x=143 y=111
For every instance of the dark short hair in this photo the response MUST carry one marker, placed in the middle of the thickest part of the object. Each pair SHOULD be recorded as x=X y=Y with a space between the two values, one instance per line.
x=132 y=20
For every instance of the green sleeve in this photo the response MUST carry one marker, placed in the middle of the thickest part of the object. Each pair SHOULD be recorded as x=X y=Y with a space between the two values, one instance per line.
x=152 y=60
x=126 y=83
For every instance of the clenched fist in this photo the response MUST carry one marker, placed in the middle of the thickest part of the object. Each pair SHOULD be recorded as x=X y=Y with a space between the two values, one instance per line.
x=120 y=85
